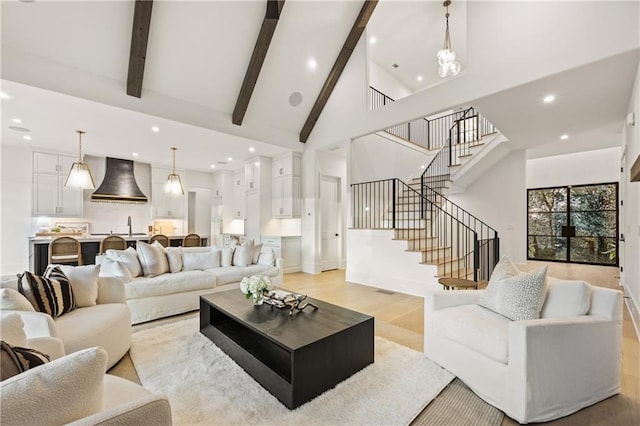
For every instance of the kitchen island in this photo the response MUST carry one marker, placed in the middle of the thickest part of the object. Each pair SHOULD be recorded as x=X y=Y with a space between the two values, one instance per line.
x=90 y=246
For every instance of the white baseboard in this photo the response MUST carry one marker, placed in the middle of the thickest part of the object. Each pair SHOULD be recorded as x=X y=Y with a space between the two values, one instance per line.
x=391 y=283
x=632 y=308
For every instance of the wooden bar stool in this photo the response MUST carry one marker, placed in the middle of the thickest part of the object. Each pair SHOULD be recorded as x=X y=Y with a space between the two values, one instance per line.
x=65 y=250
x=112 y=242
x=192 y=240
x=161 y=238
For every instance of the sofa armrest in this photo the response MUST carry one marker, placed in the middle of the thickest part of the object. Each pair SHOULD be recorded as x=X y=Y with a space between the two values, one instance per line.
x=279 y=279
x=440 y=299
x=149 y=410
x=111 y=290
x=563 y=362
x=51 y=346
x=606 y=302
x=37 y=324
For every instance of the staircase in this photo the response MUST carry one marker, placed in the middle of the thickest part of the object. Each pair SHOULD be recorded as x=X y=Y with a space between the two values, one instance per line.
x=418 y=212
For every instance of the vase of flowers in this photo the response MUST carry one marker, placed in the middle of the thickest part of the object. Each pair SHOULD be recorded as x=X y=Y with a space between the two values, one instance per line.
x=255 y=287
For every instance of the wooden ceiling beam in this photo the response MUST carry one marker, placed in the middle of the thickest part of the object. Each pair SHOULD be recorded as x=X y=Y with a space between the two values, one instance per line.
x=138 y=50
x=268 y=28
x=334 y=75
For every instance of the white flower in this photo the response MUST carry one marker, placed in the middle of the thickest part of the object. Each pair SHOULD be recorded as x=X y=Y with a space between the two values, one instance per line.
x=244 y=285
x=255 y=284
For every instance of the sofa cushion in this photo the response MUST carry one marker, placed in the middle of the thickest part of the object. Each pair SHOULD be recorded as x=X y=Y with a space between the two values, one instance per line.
x=200 y=261
x=152 y=258
x=226 y=256
x=12 y=329
x=267 y=257
x=475 y=327
x=129 y=258
x=257 y=248
x=160 y=285
x=268 y=270
x=12 y=300
x=174 y=257
x=16 y=360
x=113 y=268
x=84 y=282
x=47 y=295
x=566 y=298
x=243 y=255
x=227 y=274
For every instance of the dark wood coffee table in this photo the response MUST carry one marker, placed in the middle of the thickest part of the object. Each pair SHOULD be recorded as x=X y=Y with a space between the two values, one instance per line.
x=296 y=358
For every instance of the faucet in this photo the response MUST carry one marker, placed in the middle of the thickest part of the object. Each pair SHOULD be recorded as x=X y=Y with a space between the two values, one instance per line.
x=129 y=225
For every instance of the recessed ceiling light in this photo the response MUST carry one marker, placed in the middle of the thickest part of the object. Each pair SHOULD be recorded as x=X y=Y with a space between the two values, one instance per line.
x=422 y=166
x=16 y=120
x=373 y=40
x=252 y=149
x=26 y=137
x=312 y=64
x=4 y=96
x=549 y=98
x=213 y=166
x=229 y=159
x=155 y=129
x=564 y=137
x=135 y=154
x=419 y=78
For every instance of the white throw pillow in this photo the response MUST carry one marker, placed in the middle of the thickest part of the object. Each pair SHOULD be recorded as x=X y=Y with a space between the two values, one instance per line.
x=114 y=268
x=243 y=256
x=59 y=392
x=152 y=258
x=12 y=329
x=267 y=257
x=195 y=249
x=13 y=300
x=226 y=256
x=200 y=261
x=566 y=298
x=503 y=269
x=129 y=258
x=84 y=283
x=521 y=297
x=256 y=253
x=174 y=257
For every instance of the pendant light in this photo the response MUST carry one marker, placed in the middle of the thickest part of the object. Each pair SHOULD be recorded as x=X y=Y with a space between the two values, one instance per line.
x=80 y=175
x=174 y=184
x=446 y=56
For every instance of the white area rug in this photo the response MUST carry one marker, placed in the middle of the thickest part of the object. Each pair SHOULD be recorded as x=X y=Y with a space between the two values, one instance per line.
x=205 y=386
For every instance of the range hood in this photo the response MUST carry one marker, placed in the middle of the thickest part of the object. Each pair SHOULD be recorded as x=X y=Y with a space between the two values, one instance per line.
x=119 y=183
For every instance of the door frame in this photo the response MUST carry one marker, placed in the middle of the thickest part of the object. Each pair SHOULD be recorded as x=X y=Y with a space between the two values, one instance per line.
x=340 y=219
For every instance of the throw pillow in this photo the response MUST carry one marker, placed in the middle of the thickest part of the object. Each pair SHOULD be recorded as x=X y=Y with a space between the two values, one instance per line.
x=53 y=272
x=152 y=258
x=174 y=257
x=566 y=298
x=12 y=300
x=243 y=256
x=256 y=253
x=226 y=256
x=12 y=329
x=114 y=268
x=129 y=258
x=267 y=257
x=15 y=360
x=503 y=269
x=200 y=261
x=46 y=295
x=84 y=283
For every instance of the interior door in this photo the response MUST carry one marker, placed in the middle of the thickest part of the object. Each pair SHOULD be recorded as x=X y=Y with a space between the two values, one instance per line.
x=329 y=222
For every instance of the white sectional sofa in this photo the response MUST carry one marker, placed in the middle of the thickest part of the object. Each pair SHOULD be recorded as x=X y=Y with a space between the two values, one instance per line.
x=189 y=273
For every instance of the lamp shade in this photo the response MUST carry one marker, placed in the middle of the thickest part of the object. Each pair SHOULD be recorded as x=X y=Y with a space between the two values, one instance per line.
x=174 y=185
x=80 y=176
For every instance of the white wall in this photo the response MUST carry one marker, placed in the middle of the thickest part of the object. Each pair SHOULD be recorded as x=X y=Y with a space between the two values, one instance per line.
x=599 y=166
x=374 y=157
x=499 y=199
x=384 y=82
x=15 y=207
x=630 y=193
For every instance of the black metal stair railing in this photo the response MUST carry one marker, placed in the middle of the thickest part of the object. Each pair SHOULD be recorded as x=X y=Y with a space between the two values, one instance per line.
x=430 y=224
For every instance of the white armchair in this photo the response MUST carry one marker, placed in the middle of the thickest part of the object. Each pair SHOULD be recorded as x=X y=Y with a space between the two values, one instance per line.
x=534 y=370
x=107 y=324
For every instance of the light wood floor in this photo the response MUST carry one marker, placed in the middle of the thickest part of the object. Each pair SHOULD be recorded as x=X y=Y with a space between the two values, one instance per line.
x=399 y=318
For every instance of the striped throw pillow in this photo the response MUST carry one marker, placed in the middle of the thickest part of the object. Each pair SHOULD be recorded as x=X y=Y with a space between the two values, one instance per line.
x=16 y=360
x=47 y=295
x=54 y=272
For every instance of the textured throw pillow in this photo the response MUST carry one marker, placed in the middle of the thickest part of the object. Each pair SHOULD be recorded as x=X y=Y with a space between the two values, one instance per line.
x=53 y=272
x=267 y=257
x=243 y=256
x=16 y=360
x=174 y=257
x=152 y=258
x=226 y=256
x=200 y=261
x=114 y=268
x=503 y=269
x=12 y=329
x=46 y=295
x=256 y=253
x=84 y=282
x=12 y=300
x=129 y=258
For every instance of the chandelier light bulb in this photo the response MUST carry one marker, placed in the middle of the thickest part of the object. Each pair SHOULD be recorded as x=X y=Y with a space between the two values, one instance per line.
x=446 y=56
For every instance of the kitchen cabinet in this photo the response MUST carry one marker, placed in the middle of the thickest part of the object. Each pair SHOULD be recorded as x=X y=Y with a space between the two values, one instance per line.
x=166 y=206
x=286 y=186
x=287 y=247
x=50 y=196
x=221 y=187
x=239 y=204
x=258 y=196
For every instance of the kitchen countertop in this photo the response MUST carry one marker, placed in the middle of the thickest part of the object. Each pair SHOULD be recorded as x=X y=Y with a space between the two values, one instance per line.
x=98 y=238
